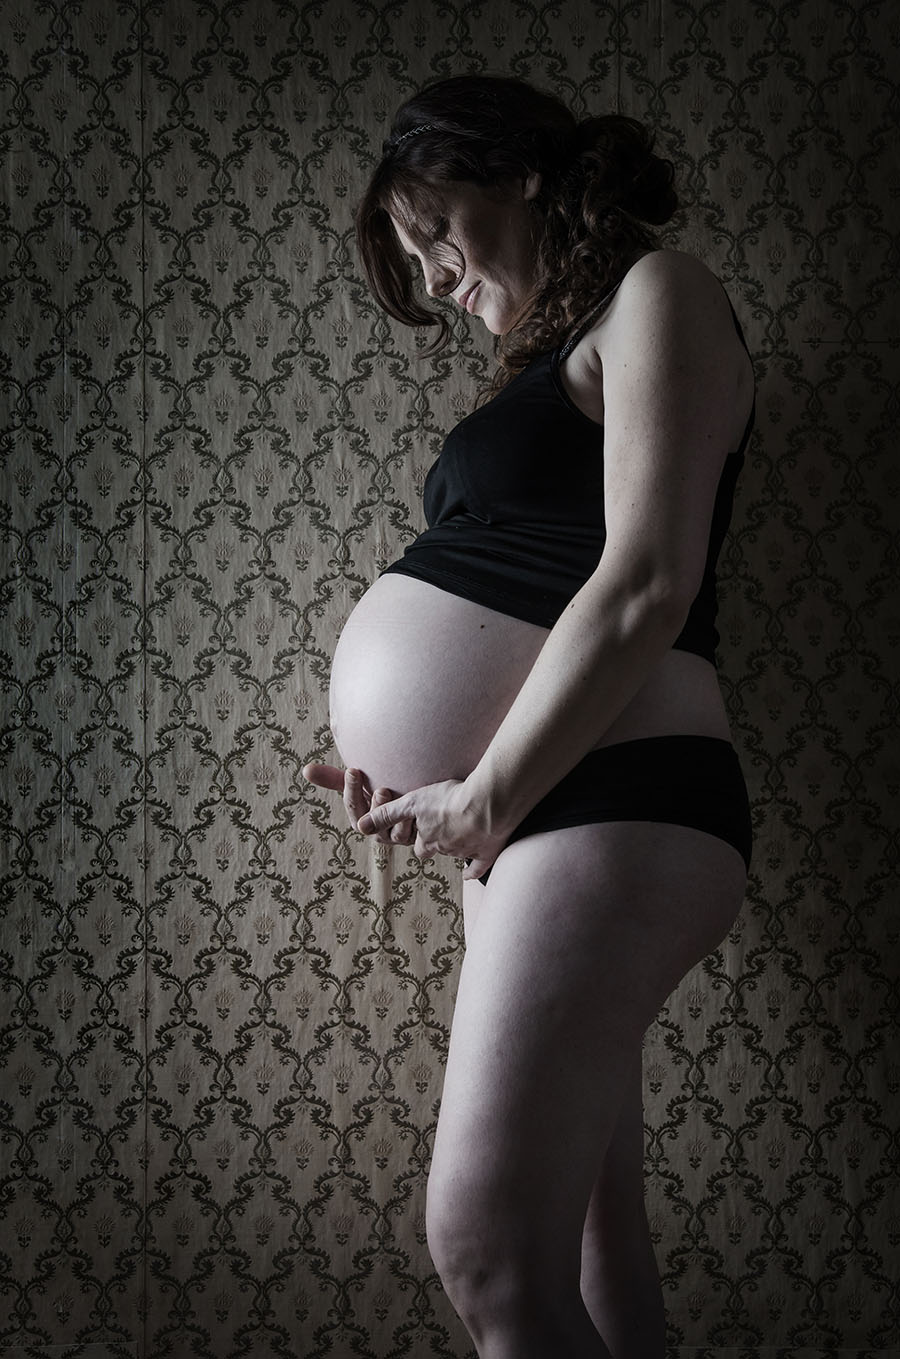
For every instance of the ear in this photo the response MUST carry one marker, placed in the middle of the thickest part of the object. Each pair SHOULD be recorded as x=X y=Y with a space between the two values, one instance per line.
x=531 y=186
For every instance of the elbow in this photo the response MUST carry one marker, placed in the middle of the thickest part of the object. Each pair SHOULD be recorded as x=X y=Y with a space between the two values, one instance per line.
x=642 y=594
x=657 y=604
x=672 y=600
x=665 y=607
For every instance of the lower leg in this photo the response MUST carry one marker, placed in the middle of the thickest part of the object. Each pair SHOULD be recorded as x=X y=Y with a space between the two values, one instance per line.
x=621 y=1290
x=619 y=1276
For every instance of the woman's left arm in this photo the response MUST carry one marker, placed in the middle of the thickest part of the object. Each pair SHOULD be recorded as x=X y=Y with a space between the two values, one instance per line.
x=672 y=373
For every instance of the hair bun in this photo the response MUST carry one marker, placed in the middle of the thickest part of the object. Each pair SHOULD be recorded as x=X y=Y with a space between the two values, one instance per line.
x=619 y=151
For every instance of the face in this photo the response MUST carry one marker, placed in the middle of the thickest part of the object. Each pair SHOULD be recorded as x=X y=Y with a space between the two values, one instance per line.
x=480 y=251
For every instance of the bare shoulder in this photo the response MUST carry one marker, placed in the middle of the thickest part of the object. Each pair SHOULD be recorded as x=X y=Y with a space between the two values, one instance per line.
x=674 y=294
x=670 y=268
x=669 y=323
x=668 y=342
x=671 y=316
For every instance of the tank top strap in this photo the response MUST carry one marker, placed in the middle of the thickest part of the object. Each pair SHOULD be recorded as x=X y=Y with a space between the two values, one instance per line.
x=584 y=327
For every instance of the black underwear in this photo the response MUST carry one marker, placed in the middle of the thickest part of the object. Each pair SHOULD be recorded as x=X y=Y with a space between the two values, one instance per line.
x=682 y=780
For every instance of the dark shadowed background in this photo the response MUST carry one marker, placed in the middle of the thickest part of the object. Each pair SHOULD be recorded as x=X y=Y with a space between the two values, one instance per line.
x=224 y=1017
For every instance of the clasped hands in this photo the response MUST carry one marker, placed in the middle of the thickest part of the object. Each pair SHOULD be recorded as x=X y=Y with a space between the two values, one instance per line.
x=439 y=818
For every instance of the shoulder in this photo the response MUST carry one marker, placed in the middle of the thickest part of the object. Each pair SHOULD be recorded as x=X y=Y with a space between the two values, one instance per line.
x=664 y=269
x=669 y=295
x=667 y=334
x=671 y=322
x=670 y=349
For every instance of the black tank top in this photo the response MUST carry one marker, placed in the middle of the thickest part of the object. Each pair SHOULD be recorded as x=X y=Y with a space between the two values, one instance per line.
x=514 y=505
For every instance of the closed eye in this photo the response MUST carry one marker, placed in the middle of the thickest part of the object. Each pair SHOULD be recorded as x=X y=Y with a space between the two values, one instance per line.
x=435 y=235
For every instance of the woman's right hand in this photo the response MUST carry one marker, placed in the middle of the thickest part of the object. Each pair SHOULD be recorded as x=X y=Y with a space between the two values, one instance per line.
x=359 y=798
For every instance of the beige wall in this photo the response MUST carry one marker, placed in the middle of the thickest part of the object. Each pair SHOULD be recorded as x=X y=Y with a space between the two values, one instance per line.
x=223 y=1026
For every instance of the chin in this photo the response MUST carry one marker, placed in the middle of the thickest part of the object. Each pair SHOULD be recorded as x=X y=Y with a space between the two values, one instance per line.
x=498 y=321
x=496 y=325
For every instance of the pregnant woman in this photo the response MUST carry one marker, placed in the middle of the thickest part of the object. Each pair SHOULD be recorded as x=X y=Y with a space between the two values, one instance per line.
x=532 y=686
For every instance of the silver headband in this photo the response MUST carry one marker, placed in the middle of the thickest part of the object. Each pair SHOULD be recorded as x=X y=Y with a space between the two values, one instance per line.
x=413 y=132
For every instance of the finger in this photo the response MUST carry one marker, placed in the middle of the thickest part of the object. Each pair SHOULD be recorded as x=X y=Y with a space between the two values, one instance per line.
x=379 y=798
x=356 y=794
x=382 y=817
x=325 y=776
x=423 y=850
x=404 y=832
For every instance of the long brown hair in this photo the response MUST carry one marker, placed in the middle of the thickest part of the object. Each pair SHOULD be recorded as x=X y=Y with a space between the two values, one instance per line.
x=602 y=190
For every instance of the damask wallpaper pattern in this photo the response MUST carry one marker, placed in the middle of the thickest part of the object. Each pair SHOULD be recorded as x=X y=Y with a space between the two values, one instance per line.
x=224 y=1017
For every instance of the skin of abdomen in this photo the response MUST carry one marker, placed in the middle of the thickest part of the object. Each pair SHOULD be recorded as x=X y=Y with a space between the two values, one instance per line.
x=421 y=679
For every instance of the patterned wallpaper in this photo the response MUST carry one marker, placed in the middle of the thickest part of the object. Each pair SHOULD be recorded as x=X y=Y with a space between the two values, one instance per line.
x=224 y=1017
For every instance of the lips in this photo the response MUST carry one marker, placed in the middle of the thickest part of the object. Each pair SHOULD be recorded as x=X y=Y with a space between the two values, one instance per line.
x=469 y=296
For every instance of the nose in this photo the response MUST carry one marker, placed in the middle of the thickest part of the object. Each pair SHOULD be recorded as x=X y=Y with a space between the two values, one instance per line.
x=439 y=279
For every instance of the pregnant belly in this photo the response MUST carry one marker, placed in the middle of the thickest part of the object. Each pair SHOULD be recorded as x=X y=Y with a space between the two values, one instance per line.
x=421 y=679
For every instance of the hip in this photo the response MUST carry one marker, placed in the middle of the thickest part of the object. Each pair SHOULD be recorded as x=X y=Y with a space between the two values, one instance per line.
x=676 y=779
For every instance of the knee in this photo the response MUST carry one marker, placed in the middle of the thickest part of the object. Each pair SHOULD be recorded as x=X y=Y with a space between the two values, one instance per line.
x=462 y=1245
x=496 y=1266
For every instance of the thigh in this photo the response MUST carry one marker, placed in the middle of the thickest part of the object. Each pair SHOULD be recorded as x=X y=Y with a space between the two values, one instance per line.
x=571 y=949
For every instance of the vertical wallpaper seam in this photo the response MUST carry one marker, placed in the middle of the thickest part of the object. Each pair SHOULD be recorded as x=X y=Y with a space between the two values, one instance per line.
x=144 y=1312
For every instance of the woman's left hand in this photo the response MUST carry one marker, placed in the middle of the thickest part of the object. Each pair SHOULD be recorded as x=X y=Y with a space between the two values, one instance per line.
x=446 y=821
